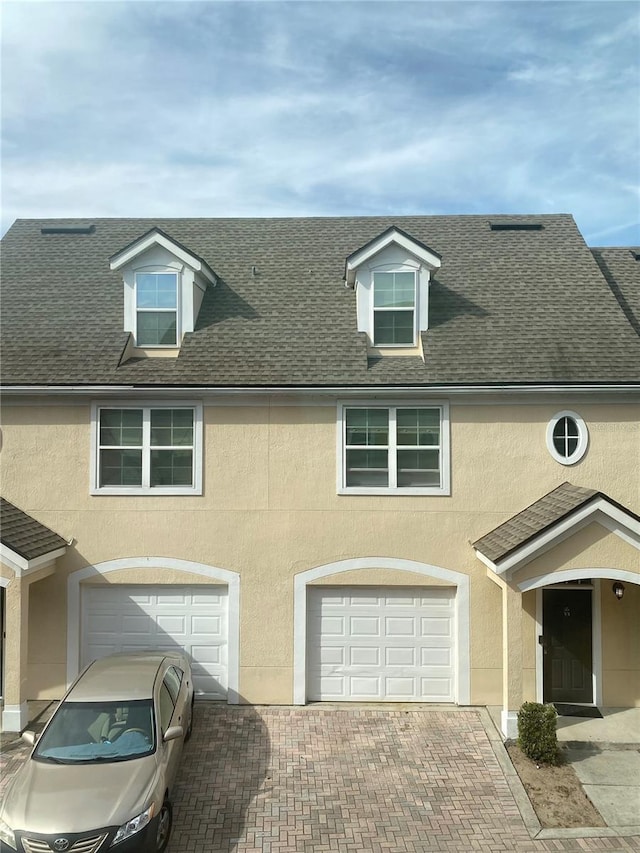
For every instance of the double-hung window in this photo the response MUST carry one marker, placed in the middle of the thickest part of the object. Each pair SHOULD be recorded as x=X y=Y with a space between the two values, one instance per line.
x=399 y=449
x=394 y=308
x=148 y=449
x=156 y=309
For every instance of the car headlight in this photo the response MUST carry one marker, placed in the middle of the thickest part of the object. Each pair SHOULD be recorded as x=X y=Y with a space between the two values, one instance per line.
x=6 y=835
x=134 y=825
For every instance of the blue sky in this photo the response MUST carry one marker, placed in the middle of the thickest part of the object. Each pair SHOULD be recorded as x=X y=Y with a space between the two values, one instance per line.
x=323 y=108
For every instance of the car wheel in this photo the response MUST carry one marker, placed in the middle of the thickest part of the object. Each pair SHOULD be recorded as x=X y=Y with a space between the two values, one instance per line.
x=189 y=731
x=163 y=830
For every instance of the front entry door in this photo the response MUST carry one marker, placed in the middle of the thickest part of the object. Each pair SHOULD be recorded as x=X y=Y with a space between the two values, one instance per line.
x=566 y=628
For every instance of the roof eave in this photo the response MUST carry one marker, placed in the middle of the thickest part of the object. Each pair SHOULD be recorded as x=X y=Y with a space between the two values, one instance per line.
x=395 y=235
x=617 y=518
x=157 y=237
x=21 y=565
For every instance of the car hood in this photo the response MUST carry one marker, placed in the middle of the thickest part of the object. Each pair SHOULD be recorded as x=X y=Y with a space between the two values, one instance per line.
x=56 y=798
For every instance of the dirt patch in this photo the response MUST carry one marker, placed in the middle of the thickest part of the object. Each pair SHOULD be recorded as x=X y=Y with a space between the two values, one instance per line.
x=556 y=793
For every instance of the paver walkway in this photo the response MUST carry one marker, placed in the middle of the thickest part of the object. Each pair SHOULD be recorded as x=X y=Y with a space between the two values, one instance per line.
x=317 y=779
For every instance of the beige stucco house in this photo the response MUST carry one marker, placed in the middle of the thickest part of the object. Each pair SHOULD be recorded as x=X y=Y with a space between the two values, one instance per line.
x=350 y=459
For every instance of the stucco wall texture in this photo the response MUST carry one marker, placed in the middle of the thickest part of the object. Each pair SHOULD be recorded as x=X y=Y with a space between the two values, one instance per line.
x=270 y=510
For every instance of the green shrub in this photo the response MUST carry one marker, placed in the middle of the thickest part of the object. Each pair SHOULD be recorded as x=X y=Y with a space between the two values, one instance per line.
x=537 y=736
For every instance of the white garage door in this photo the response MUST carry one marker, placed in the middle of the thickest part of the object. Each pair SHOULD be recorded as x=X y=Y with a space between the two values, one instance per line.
x=129 y=618
x=381 y=644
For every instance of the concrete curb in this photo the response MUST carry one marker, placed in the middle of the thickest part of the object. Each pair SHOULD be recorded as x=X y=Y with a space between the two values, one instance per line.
x=523 y=802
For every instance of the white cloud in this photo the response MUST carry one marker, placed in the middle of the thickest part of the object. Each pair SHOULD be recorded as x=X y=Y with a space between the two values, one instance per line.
x=240 y=108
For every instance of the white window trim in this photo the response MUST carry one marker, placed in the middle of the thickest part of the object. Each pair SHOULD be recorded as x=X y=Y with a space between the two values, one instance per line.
x=194 y=489
x=583 y=438
x=445 y=453
x=152 y=271
x=414 y=309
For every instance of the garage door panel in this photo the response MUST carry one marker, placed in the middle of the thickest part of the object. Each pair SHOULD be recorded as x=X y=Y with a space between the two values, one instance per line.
x=365 y=687
x=207 y=601
x=333 y=656
x=102 y=624
x=336 y=598
x=207 y=625
x=388 y=644
x=359 y=656
x=437 y=687
x=401 y=626
x=142 y=599
x=335 y=625
x=370 y=600
x=208 y=656
x=123 y=618
x=333 y=686
x=137 y=625
x=136 y=641
x=172 y=624
x=400 y=688
x=432 y=627
x=167 y=600
x=407 y=601
x=436 y=657
x=400 y=656
x=98 y=650
x=363 y=626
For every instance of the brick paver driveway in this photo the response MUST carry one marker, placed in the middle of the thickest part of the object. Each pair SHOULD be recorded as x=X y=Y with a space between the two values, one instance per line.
x=322 y=779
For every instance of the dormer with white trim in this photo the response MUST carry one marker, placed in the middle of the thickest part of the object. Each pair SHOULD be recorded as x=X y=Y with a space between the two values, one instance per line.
x=391 y=276
x=164 y=284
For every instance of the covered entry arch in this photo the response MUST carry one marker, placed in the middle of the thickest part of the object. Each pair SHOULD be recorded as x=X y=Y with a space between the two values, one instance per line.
x=557 y=541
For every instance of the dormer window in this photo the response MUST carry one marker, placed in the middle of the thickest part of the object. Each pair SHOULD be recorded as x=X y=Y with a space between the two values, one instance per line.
x=156 y=309
x=164 y=285
x=394 y=305
x=391 y=276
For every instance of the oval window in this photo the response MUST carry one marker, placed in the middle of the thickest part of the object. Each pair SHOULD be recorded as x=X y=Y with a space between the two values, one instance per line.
x=567 y=437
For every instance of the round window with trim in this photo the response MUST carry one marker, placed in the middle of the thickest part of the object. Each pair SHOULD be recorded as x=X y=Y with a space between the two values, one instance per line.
x=567 y=437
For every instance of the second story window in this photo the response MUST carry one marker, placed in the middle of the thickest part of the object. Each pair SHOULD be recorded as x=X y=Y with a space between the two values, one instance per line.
x=394 y=449
x=148 y=450
x=394 y=303
x=156 y=309
x=567 y=437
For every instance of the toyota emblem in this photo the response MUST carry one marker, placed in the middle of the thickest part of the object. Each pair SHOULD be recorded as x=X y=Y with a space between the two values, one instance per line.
x=61 y=844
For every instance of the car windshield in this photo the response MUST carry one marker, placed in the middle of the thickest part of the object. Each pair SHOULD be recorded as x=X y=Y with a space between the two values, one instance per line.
x=88 y=732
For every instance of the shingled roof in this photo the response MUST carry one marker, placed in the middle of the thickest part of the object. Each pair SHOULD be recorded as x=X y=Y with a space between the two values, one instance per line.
x=546 y=512
x=24 y=535
x=621 y=269
x=506 y=306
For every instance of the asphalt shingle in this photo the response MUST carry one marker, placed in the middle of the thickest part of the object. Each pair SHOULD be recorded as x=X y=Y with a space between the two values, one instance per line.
x=535 y=519
x=24 y=535
x=518 y=307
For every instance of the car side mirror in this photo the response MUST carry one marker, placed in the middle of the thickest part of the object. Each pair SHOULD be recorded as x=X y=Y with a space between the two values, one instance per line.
x=30 y=737
x=173 y=733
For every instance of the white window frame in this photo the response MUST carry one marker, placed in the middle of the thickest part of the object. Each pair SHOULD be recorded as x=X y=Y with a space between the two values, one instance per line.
x=414 y=309
x=583 y=438
x=159 y=270
x=146 y=489
x=445 y=454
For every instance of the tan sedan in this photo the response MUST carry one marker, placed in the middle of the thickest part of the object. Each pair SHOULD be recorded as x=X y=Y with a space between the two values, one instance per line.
x=101 y=774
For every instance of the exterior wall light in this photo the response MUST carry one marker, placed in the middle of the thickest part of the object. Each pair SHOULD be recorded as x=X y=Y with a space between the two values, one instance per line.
x=618 y=590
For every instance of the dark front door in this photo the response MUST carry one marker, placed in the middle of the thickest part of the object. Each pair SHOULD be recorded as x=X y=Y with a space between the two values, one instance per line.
x=566 y=629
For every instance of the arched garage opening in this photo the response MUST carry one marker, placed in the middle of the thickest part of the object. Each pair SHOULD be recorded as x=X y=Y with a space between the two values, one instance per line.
x=309 y=600
x=158 y=611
